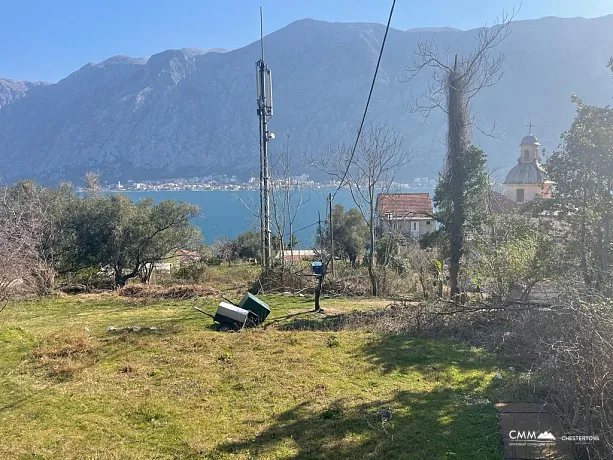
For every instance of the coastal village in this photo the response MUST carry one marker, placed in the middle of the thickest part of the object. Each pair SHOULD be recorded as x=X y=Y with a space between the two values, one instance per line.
x=223 y=182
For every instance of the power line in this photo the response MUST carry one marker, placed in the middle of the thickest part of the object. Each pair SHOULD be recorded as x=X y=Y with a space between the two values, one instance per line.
x=372 y=87
x=308 y=226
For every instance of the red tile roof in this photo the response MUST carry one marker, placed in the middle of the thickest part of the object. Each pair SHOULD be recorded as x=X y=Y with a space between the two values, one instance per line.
x=404 y=205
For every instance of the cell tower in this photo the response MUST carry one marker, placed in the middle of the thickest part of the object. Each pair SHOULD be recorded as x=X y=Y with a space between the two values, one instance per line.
x=263 y=84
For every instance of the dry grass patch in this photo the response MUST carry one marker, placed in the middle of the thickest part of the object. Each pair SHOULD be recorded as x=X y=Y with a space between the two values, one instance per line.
x=171 y=292
x=62 y=355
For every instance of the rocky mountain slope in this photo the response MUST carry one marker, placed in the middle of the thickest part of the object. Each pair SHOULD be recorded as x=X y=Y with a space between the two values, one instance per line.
x=192 y=112
x=12 y=90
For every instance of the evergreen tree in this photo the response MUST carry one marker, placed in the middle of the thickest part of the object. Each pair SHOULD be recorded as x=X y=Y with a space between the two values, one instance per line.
x=350 y=234
x=460 y=210
x=582 y=197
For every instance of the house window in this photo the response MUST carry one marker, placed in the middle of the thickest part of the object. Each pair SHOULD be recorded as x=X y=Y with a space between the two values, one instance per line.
x=526 y=154
x=519 y=195
x=414 y=225
x=427 y=222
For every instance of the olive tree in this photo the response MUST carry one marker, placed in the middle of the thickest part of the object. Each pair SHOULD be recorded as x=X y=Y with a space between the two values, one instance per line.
x=350 y=234
x=130 y=238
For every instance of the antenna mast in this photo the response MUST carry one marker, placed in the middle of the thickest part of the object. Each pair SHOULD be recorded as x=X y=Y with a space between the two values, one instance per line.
x=262 y=33
x=263 y=78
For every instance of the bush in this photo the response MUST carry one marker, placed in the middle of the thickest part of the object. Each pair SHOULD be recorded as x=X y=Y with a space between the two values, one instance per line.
x=193 y=272
x=84 y=280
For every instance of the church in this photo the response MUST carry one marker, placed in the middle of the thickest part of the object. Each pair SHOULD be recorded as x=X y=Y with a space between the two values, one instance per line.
x=527 y=179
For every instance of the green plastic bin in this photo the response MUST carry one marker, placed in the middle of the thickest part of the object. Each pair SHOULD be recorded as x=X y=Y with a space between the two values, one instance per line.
x=256 y=306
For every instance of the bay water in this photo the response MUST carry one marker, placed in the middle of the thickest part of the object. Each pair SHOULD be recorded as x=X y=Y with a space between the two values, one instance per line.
x=230 y=213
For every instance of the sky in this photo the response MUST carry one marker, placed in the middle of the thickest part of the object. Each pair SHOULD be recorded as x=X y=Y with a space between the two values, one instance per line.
x=47 y=40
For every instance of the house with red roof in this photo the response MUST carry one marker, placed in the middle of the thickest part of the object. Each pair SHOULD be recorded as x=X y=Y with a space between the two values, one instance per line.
x=410 y=214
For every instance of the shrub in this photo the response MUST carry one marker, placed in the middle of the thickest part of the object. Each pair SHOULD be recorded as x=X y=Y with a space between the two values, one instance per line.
x=192 y=272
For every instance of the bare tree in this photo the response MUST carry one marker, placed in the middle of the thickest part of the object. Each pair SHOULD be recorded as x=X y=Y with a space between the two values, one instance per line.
x=423 y=263
x=23 y=221
x=455 y=82
x=92 y=182
x=286 y=199
x=225 y=250
x=368 y=171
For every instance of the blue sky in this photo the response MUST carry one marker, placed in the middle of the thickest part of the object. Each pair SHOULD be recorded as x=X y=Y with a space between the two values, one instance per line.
x=47 y=40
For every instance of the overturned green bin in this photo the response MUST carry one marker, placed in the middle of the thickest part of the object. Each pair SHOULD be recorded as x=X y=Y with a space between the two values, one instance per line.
x=256 y=306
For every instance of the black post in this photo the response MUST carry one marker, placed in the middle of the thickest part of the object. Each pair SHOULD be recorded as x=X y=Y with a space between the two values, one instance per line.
x=320 y=276
x=331 y=223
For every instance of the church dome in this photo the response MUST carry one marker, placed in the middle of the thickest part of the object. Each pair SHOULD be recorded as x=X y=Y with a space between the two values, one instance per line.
x=526 y=174
x=530 y=139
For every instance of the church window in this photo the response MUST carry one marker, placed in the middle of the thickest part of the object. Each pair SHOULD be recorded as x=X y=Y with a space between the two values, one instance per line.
x=519 y=195
x=526 y=154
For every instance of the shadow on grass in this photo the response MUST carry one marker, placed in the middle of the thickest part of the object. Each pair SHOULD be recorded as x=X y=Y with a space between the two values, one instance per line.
x=424 y=425
x=394 y=351
x=315 y=322
x=453 y=419
x=399 y=353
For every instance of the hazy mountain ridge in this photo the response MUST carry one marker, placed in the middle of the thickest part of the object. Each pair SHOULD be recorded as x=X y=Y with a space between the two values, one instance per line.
x=12 y=90
x=191 y=112
x=433 y=29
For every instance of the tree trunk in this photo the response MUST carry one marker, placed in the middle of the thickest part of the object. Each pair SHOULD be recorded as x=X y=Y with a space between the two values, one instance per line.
x=149 y=274
x=120 y=279
x=371 y=259
x=422 y=282
x=320 y=281
x=583 y=263
x=456 y=145
x=291 y=240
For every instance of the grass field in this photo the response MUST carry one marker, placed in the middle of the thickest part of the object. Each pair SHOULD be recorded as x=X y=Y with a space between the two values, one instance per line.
x=71 y=389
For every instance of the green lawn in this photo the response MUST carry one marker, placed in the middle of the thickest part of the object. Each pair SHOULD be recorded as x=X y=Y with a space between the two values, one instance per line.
x=70 y=389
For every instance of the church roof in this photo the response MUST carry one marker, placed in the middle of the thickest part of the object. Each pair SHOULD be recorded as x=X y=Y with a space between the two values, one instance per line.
x=530 y=139
x=526 y=174
x=501 y=204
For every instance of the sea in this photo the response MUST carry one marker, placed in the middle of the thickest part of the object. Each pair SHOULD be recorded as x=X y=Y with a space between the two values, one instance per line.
x=226 y=214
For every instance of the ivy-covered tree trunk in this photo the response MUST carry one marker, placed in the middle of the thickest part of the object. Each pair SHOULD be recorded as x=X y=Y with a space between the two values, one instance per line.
x=453 y=89
x=457 y=144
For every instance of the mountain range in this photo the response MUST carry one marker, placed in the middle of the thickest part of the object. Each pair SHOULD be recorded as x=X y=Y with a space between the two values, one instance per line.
x=188 y=112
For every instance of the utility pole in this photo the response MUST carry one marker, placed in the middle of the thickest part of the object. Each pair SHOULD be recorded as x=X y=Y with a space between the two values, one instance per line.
x=321 y=239
x=263 y=78
x=331 y=223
